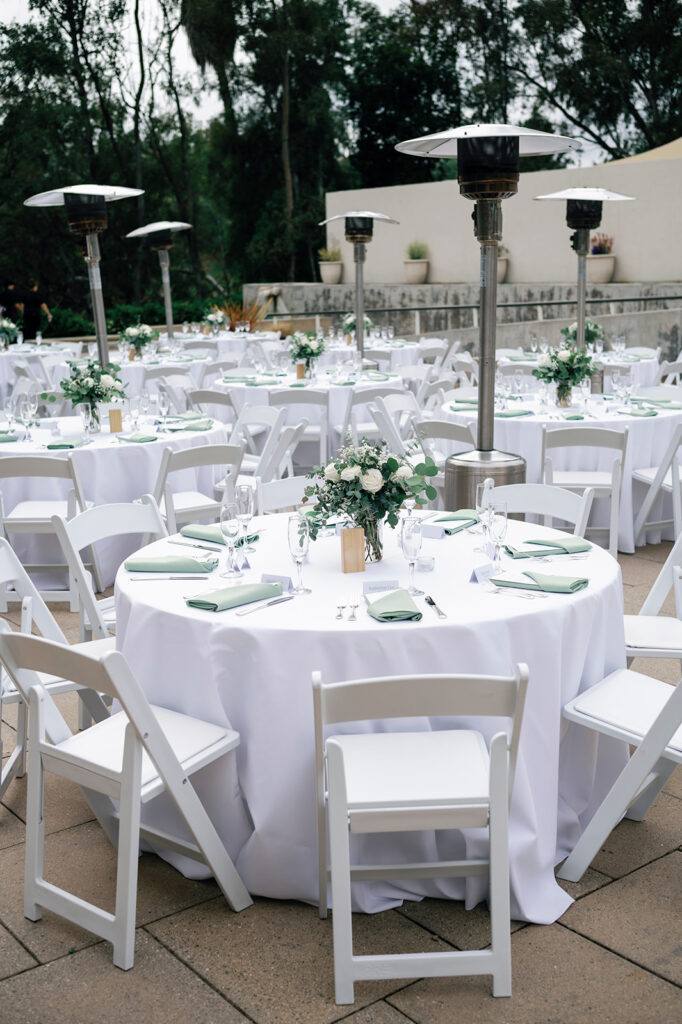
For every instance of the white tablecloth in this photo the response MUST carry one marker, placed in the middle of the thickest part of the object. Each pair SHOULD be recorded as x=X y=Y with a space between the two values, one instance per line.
x=255 y=674
x=647 y=440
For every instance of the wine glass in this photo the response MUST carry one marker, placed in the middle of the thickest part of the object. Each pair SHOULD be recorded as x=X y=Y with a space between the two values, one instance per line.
x=497 y=528
x=533 y=342
x=134 y=408
x=299 y=542
x=245 y=509
x=24 y=414
x=164 y=406
x=544 y=346
x=144 y=403
x=10 y=410
x=230 y=528
x=33 y=405
x=411 y=543
x=482 y=503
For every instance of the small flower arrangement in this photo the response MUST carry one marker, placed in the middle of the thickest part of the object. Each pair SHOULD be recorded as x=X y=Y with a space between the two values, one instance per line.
x=8 y=331
x=601 y=244
x=216 y=319
x=564 y=367
x=305 y=346
x=368 y=484
x=593 y=332
x=348 y=322
x=139 y=336
x=92 y=384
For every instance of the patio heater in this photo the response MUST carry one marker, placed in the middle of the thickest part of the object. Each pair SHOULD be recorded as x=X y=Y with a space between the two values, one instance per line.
x=488 y=172
x=583 y=214
x=87 y=216
x=359 y=229
x=159 y=236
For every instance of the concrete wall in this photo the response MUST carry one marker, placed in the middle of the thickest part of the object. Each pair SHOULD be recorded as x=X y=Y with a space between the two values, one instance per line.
x=647 y=232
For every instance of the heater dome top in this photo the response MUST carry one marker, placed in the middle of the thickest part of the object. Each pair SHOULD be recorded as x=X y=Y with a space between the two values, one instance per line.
x=444 y=144
x=159 y=225
x=366 y=214
x=586 y=193
x=55 y=197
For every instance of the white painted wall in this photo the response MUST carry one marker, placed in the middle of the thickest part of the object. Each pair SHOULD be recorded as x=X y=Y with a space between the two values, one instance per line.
x=647 y=232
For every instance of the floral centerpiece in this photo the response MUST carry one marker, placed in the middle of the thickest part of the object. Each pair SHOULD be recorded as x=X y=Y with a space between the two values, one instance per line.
x=91 y=384
x=215 y=320
x=593 y=332
x=137 y=337
x=348 y=322
x=564 y=367
x=306 y=346
x=369 y=485
x=8 y=331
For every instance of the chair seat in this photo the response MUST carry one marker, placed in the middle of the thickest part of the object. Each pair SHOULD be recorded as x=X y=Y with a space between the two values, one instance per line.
x=102 y=744
x=661 y=632
x=38 y=511
x=574 y=479
x=626 y=703
x=401 y=770
x=647 y=476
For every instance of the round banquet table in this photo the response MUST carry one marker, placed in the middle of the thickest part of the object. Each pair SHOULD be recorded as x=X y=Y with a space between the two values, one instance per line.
x=254 y=673
x=648 y=438
x=107 y=470
x=643 y=370
x=393 y=353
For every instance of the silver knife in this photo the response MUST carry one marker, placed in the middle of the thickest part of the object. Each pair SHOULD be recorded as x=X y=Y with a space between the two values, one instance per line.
x=268 y=604
x=156 y=577
x=191 y=544
x=439 y=612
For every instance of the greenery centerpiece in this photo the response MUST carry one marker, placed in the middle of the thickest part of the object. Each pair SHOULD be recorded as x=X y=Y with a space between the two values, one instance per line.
x=137 y=337
x=306 y=347
x=8 y=331
x=368 y=485
x=593 y=332
x=91 y=384
x=215 y=320
x=564 y=367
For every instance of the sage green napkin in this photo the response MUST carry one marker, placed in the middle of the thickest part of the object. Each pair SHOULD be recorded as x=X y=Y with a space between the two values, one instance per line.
x=258 y=383
x=522 y=357
x=346 y=383
x=242 y=379
x=565 y=546
x=395 y=606
x=463 y=406
x=234 y=597
x=375 y=375
x=507 y=414
x=548 y=584
x=299 y=384
x=211 y=532
x=637 y=412
x=464 y=517
x=7 y=438
x=191 y=425
x=637 y=399
x=138 y=438
x=467 y=401
x=169 y=563
x=574 y=416
x=66 y=442
x=191 y=414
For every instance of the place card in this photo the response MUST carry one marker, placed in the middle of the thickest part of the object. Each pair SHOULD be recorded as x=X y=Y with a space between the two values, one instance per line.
x=352 y=549
x=378 y=586
x=482 y=573
x=433 y=530
x=286 y=581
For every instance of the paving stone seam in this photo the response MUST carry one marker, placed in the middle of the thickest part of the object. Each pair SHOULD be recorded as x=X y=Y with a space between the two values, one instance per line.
x=430 y=931
x=385 y=999
x=23 y=945
x=621 y=956
x=645 y=864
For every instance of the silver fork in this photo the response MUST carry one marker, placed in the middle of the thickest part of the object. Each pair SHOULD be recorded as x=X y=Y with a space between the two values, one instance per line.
x=340 y=610
x=353 y=617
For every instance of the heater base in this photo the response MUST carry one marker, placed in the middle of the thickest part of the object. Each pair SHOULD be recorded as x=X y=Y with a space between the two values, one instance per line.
x=463 y=473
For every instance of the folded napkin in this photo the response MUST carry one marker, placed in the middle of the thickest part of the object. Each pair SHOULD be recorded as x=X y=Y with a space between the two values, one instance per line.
x=375 y=375
x=138 y=438
x=169 y=563
x=5 y=436
x=522 y=357
x=463 y=406
x=345 y=383
x=258 y=383
x=234 y=597
x=565 y=546
x=548 y=584
x=191 y=414
x=574 y=416
x=191 y=425
x=299 y=384
x=395 y=606
x=211 y=533
x=651 y=401
x=66 y=442
x=453 y=522
x=637 y=412
x=238 y=380
x=508 y=413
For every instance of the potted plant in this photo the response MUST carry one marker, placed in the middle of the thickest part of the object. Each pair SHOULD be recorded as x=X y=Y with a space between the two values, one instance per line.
x=502 y=262
x=565 y=367
x=601 y=262
x=329 y=262
x=417 y=263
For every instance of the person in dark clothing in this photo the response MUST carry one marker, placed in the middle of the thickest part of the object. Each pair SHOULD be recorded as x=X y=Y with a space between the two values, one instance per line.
x=10 y=300
x=34 y=301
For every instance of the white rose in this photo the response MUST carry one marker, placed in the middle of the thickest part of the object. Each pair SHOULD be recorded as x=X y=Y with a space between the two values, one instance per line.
x=89 y=382
x=314 y=344
x=107 y=381
x=564 y=355
x=350 y=473
x=403 y=473
x=331 y=473
x=545 y=359
x=372 y=481
x=133 y=332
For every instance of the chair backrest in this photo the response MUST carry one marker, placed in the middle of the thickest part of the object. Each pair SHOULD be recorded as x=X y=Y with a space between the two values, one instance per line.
x=281 y=456
x=217 y=367
x=591 y=437
x=547 y=500
x=387 y=428
x=671 y=391
x=12 y=572
x=431 y=353
x=462 y=392
x=646 y=351
x=400 y=410
x=511 y=369
x=226 y=456
x=260 y=416
x=152 y=373
x=100 y=523
x=444 y=430
x=465 y=368
x=358 y=399
x=208 y=345
x=45 y=467
x=671 y=373
x=304 y=397
x=277 y=495
x=203 y=398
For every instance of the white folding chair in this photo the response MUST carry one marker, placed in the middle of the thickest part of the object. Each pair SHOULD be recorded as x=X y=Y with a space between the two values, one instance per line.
x=647 y=714
x=34 y=516
x=448 y=435
x=665 y=477
x=649 y=634
x=131 y=757
x=280 y=460
x=317 y=432
x=606 y=483
x=253 y=420
x=207 y=346
x=466 y=369
x=548 y=501
x=355 y=419
x=671 y=373
x=186 y=506
x=411 y=781
x=278 y=495
x=218 y=404
x=35 y=615
x=216 y=368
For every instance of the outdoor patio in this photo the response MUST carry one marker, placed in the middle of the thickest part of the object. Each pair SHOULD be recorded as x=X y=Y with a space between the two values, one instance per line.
x=614 y=956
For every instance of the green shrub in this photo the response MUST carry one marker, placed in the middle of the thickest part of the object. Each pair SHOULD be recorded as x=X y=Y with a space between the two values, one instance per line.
x=417 y=251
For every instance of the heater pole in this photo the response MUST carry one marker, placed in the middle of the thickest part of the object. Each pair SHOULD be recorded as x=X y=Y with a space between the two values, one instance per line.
x=359 y=254
x=488 y=228
x=164 y=263
x=92 y=259
x=581 y=243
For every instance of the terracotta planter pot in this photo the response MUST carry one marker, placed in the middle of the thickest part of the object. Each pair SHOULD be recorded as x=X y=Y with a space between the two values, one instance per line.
x=416 y=271
x=600 y=268
x=331 y=271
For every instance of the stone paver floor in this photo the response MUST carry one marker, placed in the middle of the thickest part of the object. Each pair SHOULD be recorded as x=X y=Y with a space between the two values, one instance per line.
x=615 y=955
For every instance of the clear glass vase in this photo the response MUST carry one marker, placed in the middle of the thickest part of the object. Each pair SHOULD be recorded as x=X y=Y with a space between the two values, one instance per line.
x=374 y=538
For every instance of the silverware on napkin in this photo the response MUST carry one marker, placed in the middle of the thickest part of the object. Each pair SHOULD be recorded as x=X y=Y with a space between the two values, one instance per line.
x=156 y=576
x=268 y=604
x=194 y=544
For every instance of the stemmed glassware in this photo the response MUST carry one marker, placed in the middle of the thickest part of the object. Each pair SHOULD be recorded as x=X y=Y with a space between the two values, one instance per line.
x=134 y=408
x=544 y=346
x=299 y=542
x=164 y=406
x=230 y=528
x=144 y=403
x=411 y=542
x=533 y=342
x=497 y=529
x=10 y=410
x=24 y=414
x=245 y=510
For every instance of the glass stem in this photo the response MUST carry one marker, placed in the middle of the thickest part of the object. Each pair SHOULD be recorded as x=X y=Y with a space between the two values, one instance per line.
x=299 y=574
x=411 y=588
x=230 y=558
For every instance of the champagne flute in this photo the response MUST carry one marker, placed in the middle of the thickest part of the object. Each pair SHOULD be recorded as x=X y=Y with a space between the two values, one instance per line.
x=24 y=413
x=144 y=403
x=533 y=342
x=299 y=542
x=230 y=528
x=245 y=508
x=411 y=543
x=164 y=406
x=497 y=527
